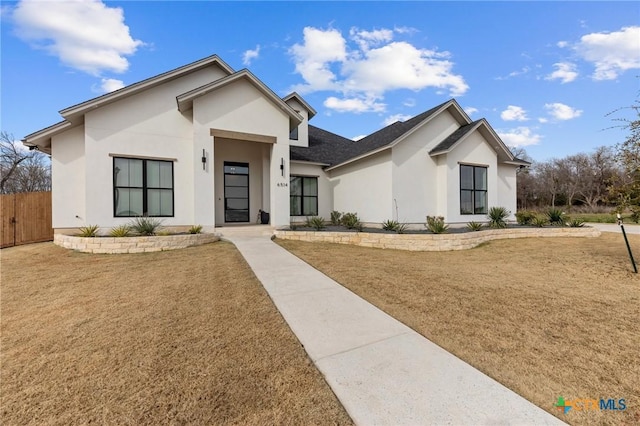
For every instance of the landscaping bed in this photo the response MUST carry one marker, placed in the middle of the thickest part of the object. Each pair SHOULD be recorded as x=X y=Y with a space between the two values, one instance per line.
x=428 y=241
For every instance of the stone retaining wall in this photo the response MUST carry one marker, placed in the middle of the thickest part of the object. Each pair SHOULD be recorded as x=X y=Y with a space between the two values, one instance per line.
x=113 y=245
x=432 y=242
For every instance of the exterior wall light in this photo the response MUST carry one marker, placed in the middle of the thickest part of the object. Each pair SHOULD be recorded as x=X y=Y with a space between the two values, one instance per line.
x=204 y=159
x=282 y=166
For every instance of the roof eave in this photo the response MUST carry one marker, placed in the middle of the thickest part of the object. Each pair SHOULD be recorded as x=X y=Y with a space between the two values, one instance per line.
x=359 y=157
x=518 y=162
x=42 y=138
x=312 y=163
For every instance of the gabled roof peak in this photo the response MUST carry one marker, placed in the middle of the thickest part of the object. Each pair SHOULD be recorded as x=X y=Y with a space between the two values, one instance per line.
x=300 y=100
x=79 y=109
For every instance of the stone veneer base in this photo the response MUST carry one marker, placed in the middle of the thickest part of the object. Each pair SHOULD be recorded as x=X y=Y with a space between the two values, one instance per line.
x=118 y=245
x=432 y=242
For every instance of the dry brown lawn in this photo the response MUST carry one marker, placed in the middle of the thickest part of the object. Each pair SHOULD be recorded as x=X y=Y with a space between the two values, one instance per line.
x=182 y=337
x=546 y=317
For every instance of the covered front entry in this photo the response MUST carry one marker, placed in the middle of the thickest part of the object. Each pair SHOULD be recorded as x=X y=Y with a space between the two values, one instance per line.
x=241 y=177
x=236 y=192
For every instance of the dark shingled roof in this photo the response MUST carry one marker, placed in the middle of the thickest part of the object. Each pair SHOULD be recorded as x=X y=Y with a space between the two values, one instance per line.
x=329 y=148
x=324 y=147
x=454 y=137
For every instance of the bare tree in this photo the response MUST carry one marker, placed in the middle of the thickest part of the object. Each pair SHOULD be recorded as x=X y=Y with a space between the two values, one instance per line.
x=22 y=170
x=597 y=171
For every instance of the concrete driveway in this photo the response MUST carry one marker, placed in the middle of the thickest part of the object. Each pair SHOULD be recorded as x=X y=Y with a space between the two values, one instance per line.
x=612 y=227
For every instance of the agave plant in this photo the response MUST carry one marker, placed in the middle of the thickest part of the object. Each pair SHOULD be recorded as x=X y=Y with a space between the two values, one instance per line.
x=575 y=223
x=390 y=225
x=555 y=216
x=89 y=231
x=195 y=229
x=315 y=222
x=145 y=225
x=497 y=217
x=474 y=226
x=120 y=231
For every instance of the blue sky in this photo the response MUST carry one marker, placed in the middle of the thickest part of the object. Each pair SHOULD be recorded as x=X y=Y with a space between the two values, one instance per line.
x=543 y=74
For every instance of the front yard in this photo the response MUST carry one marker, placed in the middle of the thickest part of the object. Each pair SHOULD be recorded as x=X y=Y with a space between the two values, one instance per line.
x=182 y=337
x=547 y=317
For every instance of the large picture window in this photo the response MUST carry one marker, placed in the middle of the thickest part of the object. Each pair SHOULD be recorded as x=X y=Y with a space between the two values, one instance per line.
x=304 y=196
x=142 y=187
x=473 y=189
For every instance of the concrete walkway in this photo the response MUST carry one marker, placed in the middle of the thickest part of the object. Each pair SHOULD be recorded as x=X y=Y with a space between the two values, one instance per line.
x=629 y=228
x=383 y=372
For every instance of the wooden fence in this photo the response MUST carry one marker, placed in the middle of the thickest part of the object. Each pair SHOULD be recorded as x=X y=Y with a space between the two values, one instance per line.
x=26 y=218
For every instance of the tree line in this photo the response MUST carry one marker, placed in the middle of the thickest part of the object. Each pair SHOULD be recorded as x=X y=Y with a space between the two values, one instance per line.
x=606 y=178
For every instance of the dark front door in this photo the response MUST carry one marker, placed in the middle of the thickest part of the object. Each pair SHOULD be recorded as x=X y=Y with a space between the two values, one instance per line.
x=236 y=192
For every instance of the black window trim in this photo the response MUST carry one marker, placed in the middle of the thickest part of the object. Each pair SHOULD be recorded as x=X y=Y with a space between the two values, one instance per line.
x=474 y=190
x=302 y=196
x=144 y=185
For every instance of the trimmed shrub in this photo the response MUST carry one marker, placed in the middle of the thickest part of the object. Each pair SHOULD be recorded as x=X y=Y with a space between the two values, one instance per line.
x=436 y=224
x=525 y=217
x=539 y=221
x=351 y=221
x=335 y=218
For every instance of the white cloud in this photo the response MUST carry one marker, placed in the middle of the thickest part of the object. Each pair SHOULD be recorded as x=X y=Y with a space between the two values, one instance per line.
x=522 y=71
x=357 y=138
x=562 y=44
x=250 y=55
x=314 y=57
x=611 y=53
x=367 y=66
x=365 y=39
x=409 y=102
x=396 y=117
x=400 y=65
x=514 y=113
x=356 y=105
x=470 y=110
x=520 y=136
x=406 y=30
x=565 y=72
x=542 y=120
x=562 y=112
x=108 y=85
x=86 y=35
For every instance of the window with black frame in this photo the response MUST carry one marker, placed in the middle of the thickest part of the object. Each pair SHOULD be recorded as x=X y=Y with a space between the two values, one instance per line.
x=142 y=187
x=473 y=189
x=303 y=196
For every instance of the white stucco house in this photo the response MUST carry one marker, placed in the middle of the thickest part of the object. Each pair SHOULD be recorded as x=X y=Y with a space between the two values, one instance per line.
x=204 y=144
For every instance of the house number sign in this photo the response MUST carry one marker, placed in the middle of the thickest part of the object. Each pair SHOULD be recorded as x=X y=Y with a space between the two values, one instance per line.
x=282 y=184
